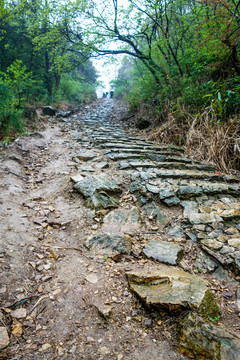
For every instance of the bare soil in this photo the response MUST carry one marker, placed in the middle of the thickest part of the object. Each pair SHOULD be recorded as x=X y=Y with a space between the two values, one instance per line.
x=46 y=270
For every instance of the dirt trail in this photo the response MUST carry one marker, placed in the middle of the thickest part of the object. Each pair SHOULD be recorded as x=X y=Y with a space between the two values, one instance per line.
x=75 y=302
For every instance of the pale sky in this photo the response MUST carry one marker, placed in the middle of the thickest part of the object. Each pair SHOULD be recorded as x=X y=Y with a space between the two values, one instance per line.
x=106 y=68
x=107 y=71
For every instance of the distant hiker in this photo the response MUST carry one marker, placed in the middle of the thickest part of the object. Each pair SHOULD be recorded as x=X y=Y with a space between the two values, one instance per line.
x=111 y=94
x=103 y=95
x=106 y=95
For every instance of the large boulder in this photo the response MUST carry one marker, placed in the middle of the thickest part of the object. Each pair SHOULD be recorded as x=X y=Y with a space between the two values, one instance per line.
x=91 y=183
x=173 y=290
x=30 y=113
x=49 y=110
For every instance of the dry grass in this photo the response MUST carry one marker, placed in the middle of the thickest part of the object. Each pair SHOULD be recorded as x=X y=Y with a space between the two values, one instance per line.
x=218 y=143
x=171 y=131
x=203 y=138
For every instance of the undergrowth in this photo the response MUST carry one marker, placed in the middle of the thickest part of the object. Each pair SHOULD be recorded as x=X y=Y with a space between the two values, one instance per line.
x=202 y=135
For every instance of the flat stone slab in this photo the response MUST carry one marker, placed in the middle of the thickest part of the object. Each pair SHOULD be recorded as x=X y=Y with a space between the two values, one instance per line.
x=142 y=164
x=204 y=218
x=110 y=245
x=124 y=156
x=163 y=251
x=201 y=339
x=122 y=221
x=173 y=290
x=85 y=154
x=190 y=174
x=90 y=183
x=76 y=178
x=166 y=193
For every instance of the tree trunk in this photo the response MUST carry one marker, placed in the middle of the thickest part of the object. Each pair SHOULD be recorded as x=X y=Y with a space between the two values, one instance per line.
x=48 y=75
x=58 y=79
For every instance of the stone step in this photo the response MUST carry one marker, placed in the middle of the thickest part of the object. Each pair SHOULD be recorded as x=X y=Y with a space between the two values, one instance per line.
x=169 y=165
x=140 y=150
x=190 y=174
x=138 y=146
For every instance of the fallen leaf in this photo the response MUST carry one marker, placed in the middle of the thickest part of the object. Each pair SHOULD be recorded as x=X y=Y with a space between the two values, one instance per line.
x=17 y=328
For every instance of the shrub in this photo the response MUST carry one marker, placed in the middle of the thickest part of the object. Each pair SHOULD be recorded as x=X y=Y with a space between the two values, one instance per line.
x=74 y=91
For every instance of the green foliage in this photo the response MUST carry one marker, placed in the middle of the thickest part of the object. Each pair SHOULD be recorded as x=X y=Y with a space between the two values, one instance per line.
x=120 y=87
x=10 y=114
x=20 y=81
x=15 y=86
x=74 y=91
x=223 y=98
x=216 y=318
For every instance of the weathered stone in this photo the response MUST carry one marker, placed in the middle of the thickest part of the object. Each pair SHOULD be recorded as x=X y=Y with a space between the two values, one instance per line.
x=85 y=168
x=49 y=110
x=200 y=227
x=234 y=242
x=214 y=188
x=190 y=207
x=19 y=313
x=64 y=114
x=173 y=290
x=204 y=218
x=236 y=256
x=166 y=193
x=125 y=156
x=238 y=298
x=102 y=165
x=142 y=164
x=191 y=174
x=104 y=310
x=4 y=338
x=76 y=178
x=153 y=189
x=232 y=231
x=204 y=262
x=101 y=200
x=90 y=183
x=122 y=221
x=189 y=191
x=163 y=251
x=124 y=165
x=213 y=244
x=110 y=245
x=85 y=154
x=230 y=214
x=176 y=232
x=153 y=211
x=200 y=339
x=172 y=201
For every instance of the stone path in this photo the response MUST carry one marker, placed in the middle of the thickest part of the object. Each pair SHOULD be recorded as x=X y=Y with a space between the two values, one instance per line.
x=185 y=212
x=161 y=175
x=131 y=250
